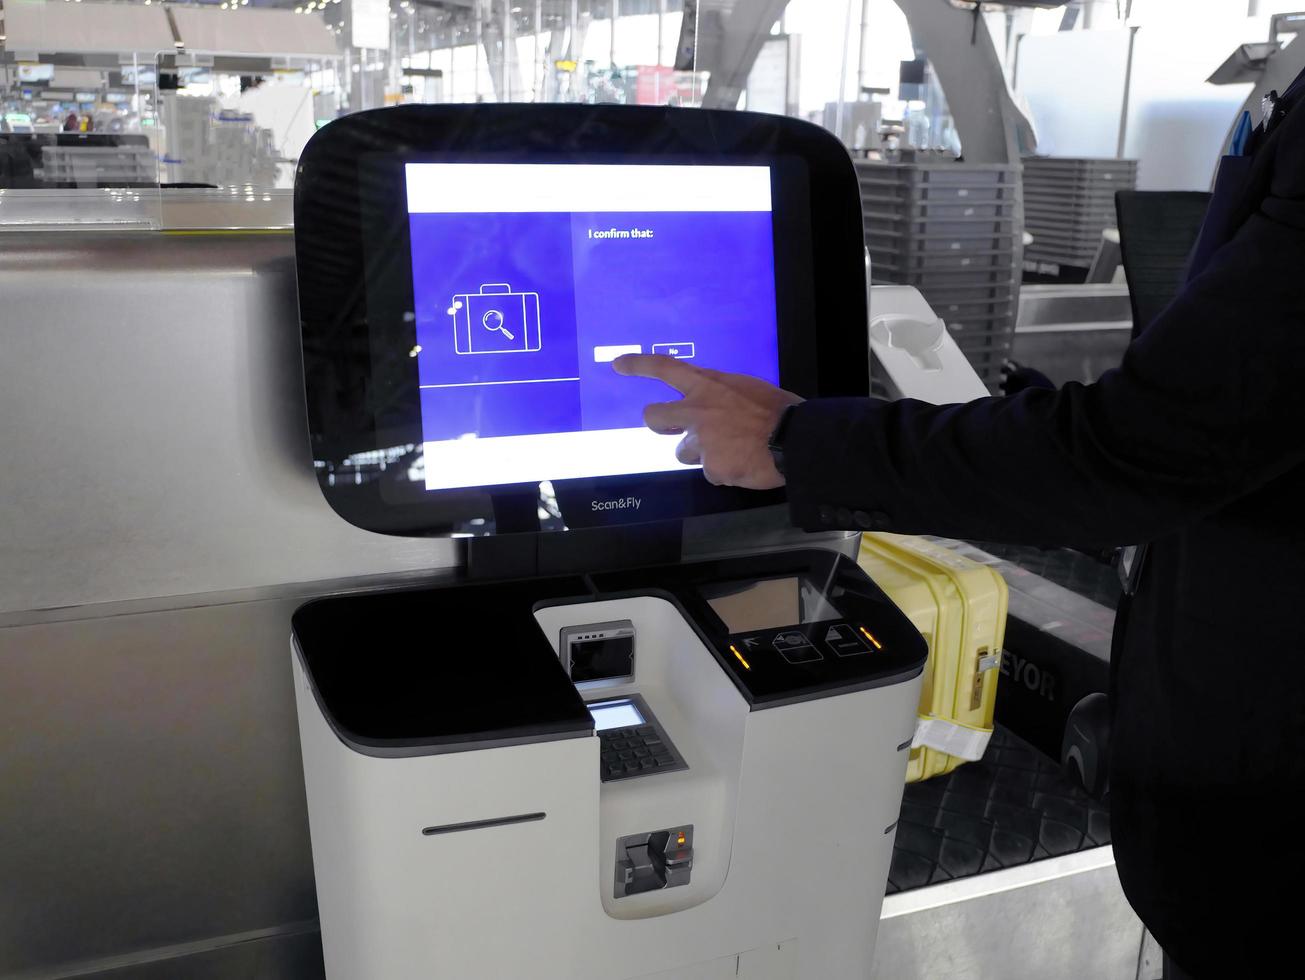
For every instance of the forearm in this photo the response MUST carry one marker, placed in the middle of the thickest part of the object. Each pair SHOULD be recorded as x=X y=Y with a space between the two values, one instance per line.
x=1043 y=467
x=993 y=469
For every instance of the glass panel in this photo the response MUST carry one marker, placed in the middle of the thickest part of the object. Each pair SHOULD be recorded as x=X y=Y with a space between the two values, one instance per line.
x=745 y=607
x=78 y=144
x=113 y=100
x=105 y=105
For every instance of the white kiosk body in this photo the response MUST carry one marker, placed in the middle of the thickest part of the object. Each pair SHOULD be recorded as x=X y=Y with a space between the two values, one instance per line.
x=501 y=861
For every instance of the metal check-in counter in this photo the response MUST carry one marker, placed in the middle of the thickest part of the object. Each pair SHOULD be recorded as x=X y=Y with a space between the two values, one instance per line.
x=161 y=523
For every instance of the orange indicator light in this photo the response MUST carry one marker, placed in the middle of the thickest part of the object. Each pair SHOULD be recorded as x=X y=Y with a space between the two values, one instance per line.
x=871 y=637
x=735 y=650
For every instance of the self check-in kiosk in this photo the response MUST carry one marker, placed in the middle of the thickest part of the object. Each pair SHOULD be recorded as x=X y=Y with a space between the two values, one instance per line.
x=588 y=757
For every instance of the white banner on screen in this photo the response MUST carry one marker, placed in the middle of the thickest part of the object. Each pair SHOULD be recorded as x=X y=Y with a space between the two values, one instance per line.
x=459 y=188
x=548 y=456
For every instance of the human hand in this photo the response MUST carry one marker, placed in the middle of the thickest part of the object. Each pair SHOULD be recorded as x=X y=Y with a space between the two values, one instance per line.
x=726 y=419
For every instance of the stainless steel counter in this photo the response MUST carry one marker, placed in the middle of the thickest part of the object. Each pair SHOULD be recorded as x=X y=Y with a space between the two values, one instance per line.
x=154 y=443
x=159 y=522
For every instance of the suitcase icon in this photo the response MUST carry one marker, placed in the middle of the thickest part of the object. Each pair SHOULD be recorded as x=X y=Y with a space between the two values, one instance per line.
x=495 y=320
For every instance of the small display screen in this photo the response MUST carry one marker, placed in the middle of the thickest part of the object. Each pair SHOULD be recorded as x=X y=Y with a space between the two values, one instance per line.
x=29 y=72
x=603 y=659
x=746 y=607
x=615 y=714
x=530 y=279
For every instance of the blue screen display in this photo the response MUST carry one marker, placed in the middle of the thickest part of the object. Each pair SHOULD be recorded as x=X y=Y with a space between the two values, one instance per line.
x=529 y=280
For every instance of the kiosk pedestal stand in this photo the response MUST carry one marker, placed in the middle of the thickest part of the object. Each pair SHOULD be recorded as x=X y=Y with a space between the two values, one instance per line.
x=736 y=819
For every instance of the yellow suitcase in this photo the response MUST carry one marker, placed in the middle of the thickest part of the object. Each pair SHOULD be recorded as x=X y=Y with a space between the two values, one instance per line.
x=959 y=606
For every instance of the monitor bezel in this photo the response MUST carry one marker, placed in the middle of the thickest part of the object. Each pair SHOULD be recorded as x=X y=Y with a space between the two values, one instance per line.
x=355 y=285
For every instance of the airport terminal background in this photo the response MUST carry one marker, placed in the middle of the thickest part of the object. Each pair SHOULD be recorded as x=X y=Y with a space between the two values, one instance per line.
x=157 y=527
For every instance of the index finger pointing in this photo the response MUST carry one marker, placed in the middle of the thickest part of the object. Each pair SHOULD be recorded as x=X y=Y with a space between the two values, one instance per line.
x=670 y=370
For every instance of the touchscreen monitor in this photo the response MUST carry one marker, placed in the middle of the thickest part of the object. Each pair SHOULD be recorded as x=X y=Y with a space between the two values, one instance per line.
x=530 y=279
x=467 y=274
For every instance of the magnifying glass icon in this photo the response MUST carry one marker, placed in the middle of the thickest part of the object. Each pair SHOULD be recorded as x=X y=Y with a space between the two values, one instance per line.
x=493 y=320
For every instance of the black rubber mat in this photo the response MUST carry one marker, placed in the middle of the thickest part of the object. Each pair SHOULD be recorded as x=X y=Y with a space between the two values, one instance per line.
x=1013 y=807
x=1069 y=569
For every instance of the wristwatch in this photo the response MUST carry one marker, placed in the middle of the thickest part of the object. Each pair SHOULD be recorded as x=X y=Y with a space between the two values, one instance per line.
x=776 y=442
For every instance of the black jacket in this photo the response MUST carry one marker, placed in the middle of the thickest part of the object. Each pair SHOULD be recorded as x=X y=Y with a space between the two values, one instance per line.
x=1197 y=445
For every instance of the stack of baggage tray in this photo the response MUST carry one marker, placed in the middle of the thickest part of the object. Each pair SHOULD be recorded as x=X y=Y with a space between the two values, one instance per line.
x=954 y=231
x=1068 y=202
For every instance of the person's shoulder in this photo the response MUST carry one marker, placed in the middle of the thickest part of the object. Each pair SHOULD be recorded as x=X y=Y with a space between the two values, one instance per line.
x=1289 y=163
x=1289 y=151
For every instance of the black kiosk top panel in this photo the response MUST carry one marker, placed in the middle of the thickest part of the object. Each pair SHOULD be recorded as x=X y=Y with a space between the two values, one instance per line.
x=467 y=274
x=467 y=666
x=418 y=671
x=788 y=626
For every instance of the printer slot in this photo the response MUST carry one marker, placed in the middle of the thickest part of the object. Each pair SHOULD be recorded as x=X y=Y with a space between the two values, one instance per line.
x=653 y=861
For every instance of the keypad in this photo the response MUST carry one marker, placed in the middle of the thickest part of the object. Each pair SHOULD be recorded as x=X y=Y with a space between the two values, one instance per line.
x=634 y=752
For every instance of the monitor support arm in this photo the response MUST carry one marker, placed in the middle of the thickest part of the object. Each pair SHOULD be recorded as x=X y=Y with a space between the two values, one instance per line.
x=990 y=126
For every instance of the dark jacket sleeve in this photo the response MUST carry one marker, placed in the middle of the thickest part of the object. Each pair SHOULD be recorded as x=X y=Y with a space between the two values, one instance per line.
x=1208 y=405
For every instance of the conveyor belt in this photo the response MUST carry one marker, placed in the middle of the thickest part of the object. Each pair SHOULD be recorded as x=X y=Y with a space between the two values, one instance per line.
x=1012 y=808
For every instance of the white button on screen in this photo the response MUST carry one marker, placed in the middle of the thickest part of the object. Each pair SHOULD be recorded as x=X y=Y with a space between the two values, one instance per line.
x=682 y=351
x=603 y=355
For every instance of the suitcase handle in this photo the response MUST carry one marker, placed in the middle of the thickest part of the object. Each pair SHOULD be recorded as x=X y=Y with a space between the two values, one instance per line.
x=495 y=287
